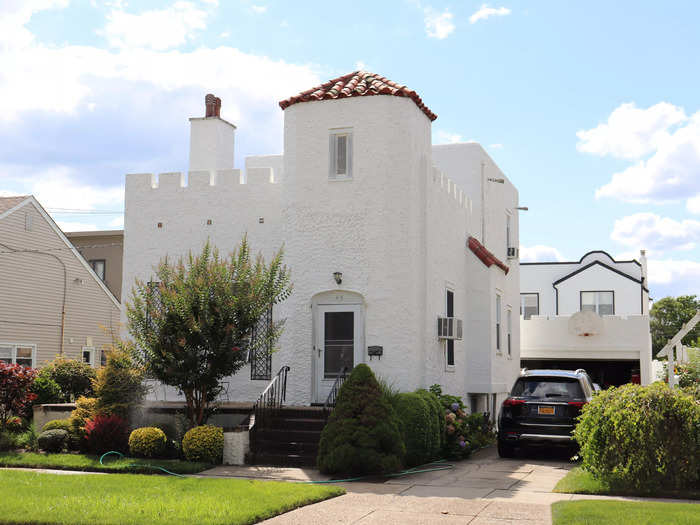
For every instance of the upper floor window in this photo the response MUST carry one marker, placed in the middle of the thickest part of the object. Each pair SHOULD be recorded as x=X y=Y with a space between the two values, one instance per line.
x=450 y=311
x=19 y=354
x=529 y=305
x=509 y=330
x=340 y=154
x=89 y=355
x=498 y=323
x=509 y=231
x=98 y=265
x=600 y=302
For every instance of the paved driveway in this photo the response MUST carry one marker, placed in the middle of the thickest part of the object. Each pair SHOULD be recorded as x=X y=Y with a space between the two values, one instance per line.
x=481 y=490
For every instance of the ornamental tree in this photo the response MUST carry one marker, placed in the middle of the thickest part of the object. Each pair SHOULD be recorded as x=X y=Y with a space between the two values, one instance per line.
x=15 y=391
x=194 y=325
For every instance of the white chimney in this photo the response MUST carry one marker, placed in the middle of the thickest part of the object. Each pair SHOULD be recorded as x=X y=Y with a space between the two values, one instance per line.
x=211 y=139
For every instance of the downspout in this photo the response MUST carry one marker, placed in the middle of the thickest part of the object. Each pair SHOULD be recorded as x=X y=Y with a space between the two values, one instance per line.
x=556 y=299
x=65 y=285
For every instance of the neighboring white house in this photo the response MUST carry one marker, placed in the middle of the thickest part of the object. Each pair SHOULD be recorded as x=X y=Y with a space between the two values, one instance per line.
x=592 y=314
x=384 y=234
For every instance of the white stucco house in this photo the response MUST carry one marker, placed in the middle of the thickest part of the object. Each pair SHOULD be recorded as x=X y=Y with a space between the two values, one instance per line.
x=384 y=234
x=591 y=314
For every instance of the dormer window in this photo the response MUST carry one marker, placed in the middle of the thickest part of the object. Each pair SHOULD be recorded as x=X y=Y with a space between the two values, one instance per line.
x=340 y=154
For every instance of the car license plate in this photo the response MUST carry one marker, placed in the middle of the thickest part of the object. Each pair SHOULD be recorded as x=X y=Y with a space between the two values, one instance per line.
x=545 y=411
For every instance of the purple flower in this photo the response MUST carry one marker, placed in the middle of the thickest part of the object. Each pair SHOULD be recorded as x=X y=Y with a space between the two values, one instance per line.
x=455 y=406
x=462 y=444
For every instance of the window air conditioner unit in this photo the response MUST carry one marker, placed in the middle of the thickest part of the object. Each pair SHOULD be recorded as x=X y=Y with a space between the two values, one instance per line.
x=449 y=328
x=513 y=253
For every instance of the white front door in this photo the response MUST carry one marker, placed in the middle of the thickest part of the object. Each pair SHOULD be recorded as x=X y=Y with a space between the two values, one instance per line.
x=338 y=343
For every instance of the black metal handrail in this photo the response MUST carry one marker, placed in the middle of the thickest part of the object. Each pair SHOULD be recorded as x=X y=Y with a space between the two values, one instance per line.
x=333 y=394
x=268 y=403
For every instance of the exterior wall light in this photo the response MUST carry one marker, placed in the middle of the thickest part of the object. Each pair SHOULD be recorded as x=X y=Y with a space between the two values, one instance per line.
x=338 y=276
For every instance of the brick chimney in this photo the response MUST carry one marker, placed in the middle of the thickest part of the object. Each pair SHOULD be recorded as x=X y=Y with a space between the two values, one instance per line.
x=211 y=138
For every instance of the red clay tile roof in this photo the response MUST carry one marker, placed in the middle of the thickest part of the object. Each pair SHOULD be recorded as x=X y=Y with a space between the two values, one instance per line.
x=7 y=203
x=357 y=84
x=485 y=256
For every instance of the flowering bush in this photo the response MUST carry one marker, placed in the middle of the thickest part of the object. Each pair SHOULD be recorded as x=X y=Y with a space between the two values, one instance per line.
x=16 y=393
x=106 y=433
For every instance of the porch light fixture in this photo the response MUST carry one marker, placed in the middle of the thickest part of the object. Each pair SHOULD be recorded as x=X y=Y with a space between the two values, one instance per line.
x=338 y=276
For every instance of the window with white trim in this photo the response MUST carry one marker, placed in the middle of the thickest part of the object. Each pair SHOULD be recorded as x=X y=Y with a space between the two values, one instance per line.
x=340 y=154
x=509 y=330
x=89 y=355
x=498 y=323
x=509 y=219
x=19 y=354
x=529 y=305
x=600 y=302
x=98 y=265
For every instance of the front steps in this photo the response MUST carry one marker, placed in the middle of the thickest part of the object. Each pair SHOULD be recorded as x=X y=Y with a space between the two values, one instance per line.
x=289 y=438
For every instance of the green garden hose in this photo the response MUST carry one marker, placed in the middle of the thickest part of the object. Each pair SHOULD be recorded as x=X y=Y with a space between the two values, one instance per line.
x=155 y=467
x=415 y=470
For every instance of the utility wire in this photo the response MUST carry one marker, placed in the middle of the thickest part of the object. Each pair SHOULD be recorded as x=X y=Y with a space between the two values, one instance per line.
x=64 y=248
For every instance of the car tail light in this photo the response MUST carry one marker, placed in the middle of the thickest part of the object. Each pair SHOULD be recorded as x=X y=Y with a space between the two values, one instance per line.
x=577 y=404
x=510 y=402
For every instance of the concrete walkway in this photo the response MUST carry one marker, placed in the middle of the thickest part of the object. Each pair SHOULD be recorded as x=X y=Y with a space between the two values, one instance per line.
x=482 y=490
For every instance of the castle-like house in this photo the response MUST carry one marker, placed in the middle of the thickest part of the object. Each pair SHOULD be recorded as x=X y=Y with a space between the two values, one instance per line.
x=386 y=236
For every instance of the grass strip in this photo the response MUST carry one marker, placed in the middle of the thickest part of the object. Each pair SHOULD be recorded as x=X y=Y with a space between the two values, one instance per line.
x=35 y=497
x=92 y=463
x=596 y=512
x=579 y=481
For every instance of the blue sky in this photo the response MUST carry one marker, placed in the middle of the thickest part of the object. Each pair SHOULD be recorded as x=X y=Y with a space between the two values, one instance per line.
x=590 y=108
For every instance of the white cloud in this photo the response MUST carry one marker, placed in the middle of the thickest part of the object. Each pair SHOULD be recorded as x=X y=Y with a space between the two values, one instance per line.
x=225 y=34
x=72 y=226
x=632 y=132
x=674 y=277
x=650 y=231
x=496 y=146
x=117 y=222
x=258 y=9
x=158 y=29
x=485 y=12
x=693 y=204
x=438 y=25
x=446 y=137
x=540 y=253
x=15 y=14
x=670 y=174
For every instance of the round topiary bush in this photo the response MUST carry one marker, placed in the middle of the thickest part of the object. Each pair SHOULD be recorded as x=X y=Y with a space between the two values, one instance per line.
x=204 y=443
x=417 y=427
x=438 y=422
x=62 y=424
x=53 y=440
x=641 y=437
x=362 y=435
x=147 y=442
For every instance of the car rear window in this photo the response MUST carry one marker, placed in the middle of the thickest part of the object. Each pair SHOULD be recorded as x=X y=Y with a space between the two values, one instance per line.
x=547 y=387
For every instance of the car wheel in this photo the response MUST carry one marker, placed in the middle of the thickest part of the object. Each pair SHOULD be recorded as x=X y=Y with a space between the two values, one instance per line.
x=505 y=450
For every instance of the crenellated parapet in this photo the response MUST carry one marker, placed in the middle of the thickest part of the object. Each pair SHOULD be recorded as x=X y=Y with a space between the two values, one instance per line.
x=443 y=184
x=220 y=180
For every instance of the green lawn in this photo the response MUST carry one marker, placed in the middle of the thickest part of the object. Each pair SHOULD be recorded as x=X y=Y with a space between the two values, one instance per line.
x=32 y=497
x=92 y=463
x=596 y=512
x=579 y=481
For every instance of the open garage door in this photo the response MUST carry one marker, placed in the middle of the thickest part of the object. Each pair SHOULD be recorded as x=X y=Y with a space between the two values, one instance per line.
x=605 y=373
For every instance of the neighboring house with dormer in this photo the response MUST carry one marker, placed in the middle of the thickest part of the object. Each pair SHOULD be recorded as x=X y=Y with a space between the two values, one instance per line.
x=104 y=252
x=386 y=236
x=51 y=300
x=591 y=314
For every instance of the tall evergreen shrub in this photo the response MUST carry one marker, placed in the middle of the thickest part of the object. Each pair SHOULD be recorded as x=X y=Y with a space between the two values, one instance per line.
x=437 y=422
x=362 y=435
x=417 y=427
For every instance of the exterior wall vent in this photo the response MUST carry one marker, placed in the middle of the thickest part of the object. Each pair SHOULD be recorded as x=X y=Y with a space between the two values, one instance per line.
x=513 y=253
x=449 y=328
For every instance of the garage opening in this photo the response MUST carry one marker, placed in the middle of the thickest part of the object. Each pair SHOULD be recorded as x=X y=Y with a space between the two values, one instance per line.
x=605 y=373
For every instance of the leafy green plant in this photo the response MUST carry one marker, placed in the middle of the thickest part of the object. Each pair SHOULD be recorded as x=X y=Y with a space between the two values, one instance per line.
x=437 y=422
x=53 y=440
x=29 y=439
x=119 y=384
x=63 y=424
x=204 y=443
x=72 y=376
x=85 y=409
x=362 y=435
x=192 y=326
x=640 y=437
x=417 y=428
x=46 y=390
x=147 y=442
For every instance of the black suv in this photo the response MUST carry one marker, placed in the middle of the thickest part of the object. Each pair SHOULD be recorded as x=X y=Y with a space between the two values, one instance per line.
x=542 y=408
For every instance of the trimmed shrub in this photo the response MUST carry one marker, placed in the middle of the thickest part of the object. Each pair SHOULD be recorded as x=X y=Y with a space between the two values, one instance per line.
x=72 y=376
x=417 y=426
x=641 y=437
x=46 y=390
x=85 y=409
x=63 y=424
x=16 y=396
x=362 y=435
x=437 y=422
x=119 y=384
x=147 y=442
x=106 y=433
x=53 y=440
x=204 y=443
